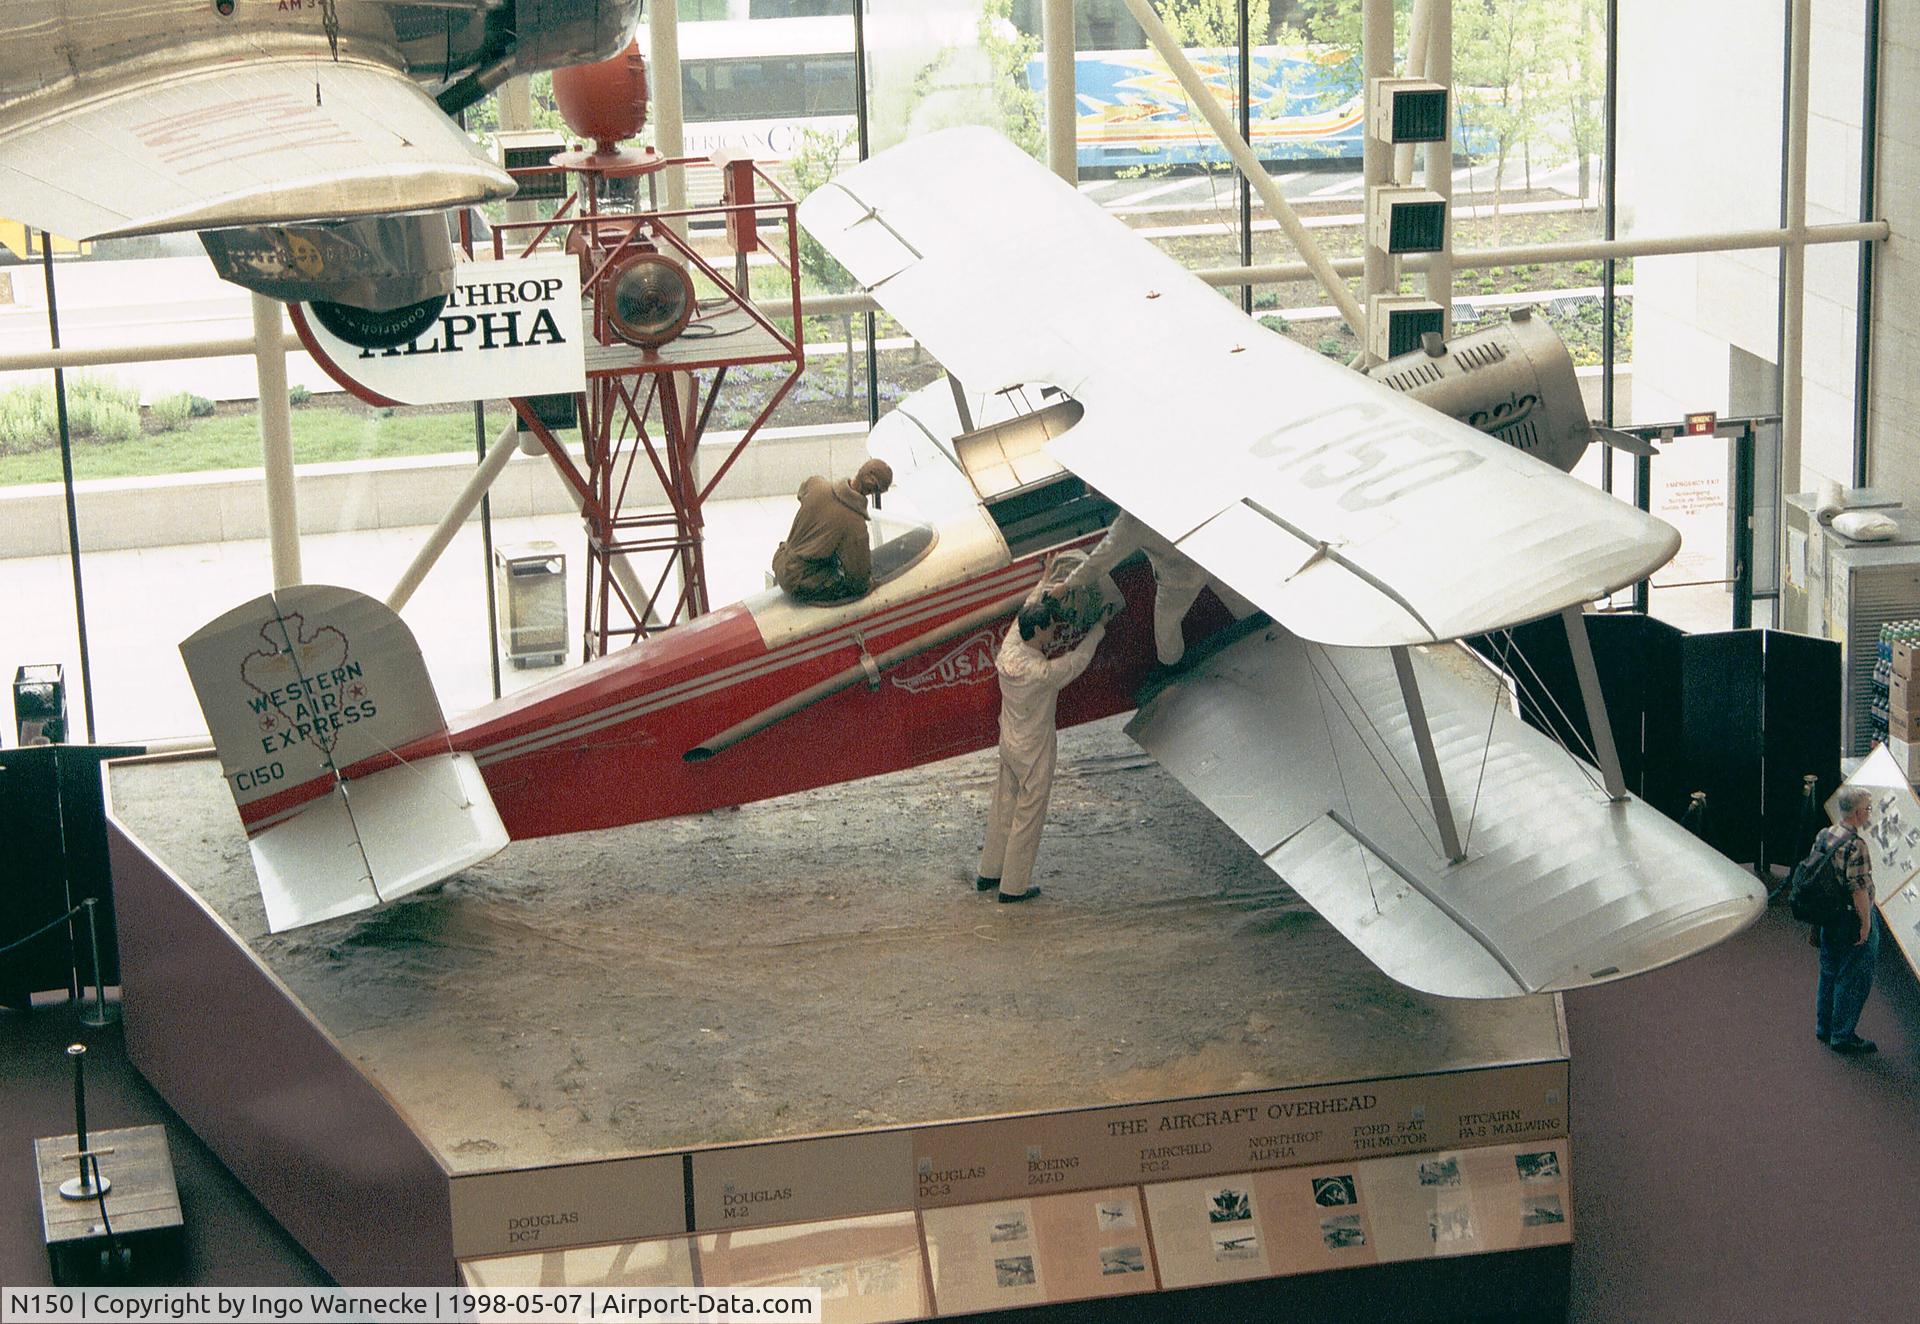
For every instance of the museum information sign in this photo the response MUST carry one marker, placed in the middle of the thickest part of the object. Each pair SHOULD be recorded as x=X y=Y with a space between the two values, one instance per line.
x=511 y=327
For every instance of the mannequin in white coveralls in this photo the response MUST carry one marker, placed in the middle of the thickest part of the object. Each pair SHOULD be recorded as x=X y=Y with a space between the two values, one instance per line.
x=1177 y=580
x=1030 y=685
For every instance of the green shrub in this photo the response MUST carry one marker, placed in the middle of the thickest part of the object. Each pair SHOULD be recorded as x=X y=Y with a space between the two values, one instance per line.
x=200 y=406
x=98 y=409
x=101 y=419
x=298 y=395
x=170 y=413
x=27 y=420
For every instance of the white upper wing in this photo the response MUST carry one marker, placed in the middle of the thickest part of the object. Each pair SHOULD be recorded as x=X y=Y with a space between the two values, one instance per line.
x=1348 y=512
x=247 y=143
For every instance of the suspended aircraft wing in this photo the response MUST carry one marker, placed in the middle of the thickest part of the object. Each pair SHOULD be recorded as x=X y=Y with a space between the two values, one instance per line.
x=1349 y=513
x=1362 y=522
x=1308 y=754
x=335 y=749
x=250 y=142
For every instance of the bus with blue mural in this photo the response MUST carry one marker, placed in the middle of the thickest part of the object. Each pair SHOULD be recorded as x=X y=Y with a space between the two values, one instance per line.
x=1133 y=112
x=760 y=85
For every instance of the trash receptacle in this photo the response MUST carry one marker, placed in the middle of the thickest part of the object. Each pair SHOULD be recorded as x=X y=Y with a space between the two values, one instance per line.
x=530 y=595
x=40 y=704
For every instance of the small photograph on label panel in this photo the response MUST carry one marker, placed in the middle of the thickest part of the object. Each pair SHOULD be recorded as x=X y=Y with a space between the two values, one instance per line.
x=1342 y=1231
x=1541 y=1211
x=832 y=1282
x=1440 y=1171
x=1014 y=1271
x=1450 y=1224
x=1122 y=1259
x=877 y=1278
x=1235 y=1244
x=1113 y=1215
x=1331 y=1191
x=1229 y=1205
x=1010 y=1226
x=1543 y=1166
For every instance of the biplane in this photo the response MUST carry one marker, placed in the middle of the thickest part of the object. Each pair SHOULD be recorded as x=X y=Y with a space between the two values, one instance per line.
x=1348 y=532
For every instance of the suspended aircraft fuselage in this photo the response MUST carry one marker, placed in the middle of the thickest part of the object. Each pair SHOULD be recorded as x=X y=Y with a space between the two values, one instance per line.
x=53 y=55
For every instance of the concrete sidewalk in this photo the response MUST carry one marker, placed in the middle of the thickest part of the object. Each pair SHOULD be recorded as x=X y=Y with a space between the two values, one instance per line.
x=141 y=603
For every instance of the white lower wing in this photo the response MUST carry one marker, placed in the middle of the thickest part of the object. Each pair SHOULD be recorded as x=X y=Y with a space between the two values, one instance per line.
x=1307 y=753
x=252 y=143
x=1348 y=512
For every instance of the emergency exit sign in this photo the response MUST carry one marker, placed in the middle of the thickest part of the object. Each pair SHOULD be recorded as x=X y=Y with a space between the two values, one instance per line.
x=1702 y=425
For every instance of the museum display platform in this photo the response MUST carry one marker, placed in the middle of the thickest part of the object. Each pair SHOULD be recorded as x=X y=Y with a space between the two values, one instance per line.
x=790 y=1044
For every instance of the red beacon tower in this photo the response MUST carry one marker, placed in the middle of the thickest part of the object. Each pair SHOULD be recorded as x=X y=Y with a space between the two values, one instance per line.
x=669 y=317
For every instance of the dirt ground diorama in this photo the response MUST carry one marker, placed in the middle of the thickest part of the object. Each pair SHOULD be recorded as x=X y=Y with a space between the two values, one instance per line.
x=822 y=962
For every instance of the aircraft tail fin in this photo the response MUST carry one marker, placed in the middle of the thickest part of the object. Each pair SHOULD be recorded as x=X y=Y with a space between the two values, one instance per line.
x=334 y=746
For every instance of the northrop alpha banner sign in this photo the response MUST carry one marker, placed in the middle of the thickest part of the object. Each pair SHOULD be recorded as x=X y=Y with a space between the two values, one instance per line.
x=509 y=328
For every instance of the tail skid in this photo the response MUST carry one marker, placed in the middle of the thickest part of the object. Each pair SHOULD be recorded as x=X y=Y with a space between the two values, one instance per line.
x=335 y=749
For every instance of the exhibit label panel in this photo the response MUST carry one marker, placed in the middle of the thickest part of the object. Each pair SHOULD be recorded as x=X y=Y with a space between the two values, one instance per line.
x=1029 y=1252
x=830 y=1177
x=577 y=1205
x=511 y=326
x=1892 y=835
x=1004 y=1159
x=1008 y=1157
x=1378 y=1211
x=1051 y=1249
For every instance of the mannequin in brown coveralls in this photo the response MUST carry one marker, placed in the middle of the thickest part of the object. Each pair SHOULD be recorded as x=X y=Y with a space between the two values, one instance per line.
x=826 y=558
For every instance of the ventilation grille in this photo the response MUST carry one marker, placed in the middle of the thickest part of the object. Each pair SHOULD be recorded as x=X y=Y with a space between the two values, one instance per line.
x=1483 y=355
x=1521 y=435
x=1405 y=326
x=1417 y=227
x=1420 y=115
x=1412 y=379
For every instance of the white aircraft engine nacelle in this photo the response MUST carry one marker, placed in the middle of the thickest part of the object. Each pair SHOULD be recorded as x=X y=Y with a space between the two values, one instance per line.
x=1513 y=381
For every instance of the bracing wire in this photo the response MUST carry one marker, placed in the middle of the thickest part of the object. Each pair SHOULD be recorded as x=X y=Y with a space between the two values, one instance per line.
x=1333 y=744
x=1540 y=714
x=326 y=753
x=1545 y=689
x=1486 y=749
x=412 y=765
x=1386 y=776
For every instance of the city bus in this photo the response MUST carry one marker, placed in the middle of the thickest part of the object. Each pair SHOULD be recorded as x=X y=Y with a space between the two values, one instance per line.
x=758 y=85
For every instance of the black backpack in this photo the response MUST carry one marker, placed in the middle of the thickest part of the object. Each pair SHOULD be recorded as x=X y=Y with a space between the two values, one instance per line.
x=1818 y=892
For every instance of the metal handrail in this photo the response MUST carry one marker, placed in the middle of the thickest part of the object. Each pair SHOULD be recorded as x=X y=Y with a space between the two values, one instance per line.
x=825 y=305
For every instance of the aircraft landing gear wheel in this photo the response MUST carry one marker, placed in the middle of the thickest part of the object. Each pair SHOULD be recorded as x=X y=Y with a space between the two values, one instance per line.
x=367 y=328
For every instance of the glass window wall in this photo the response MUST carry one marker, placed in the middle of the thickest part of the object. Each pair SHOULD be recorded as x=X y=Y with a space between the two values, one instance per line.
x=1699 y=150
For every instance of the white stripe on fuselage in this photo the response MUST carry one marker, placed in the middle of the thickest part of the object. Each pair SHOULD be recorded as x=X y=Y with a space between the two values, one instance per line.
x=970 y=594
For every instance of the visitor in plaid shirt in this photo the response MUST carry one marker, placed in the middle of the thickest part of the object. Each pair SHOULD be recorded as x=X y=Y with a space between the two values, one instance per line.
x=1850 y=948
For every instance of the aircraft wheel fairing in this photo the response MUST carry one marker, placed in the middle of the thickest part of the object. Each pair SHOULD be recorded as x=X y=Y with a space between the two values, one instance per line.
x=369 y=328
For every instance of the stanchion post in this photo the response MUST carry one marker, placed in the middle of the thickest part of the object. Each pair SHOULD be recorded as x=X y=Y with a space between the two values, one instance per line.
x=102 y=1014
x=82 y=1187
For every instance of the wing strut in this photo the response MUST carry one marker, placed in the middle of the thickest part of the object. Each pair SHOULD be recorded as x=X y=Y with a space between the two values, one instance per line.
x=1429 y=761
x=1596 y=702
x=960 y=404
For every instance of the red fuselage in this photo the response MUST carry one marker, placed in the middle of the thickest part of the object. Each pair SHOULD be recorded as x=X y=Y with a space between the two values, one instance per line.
x=607 y=744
